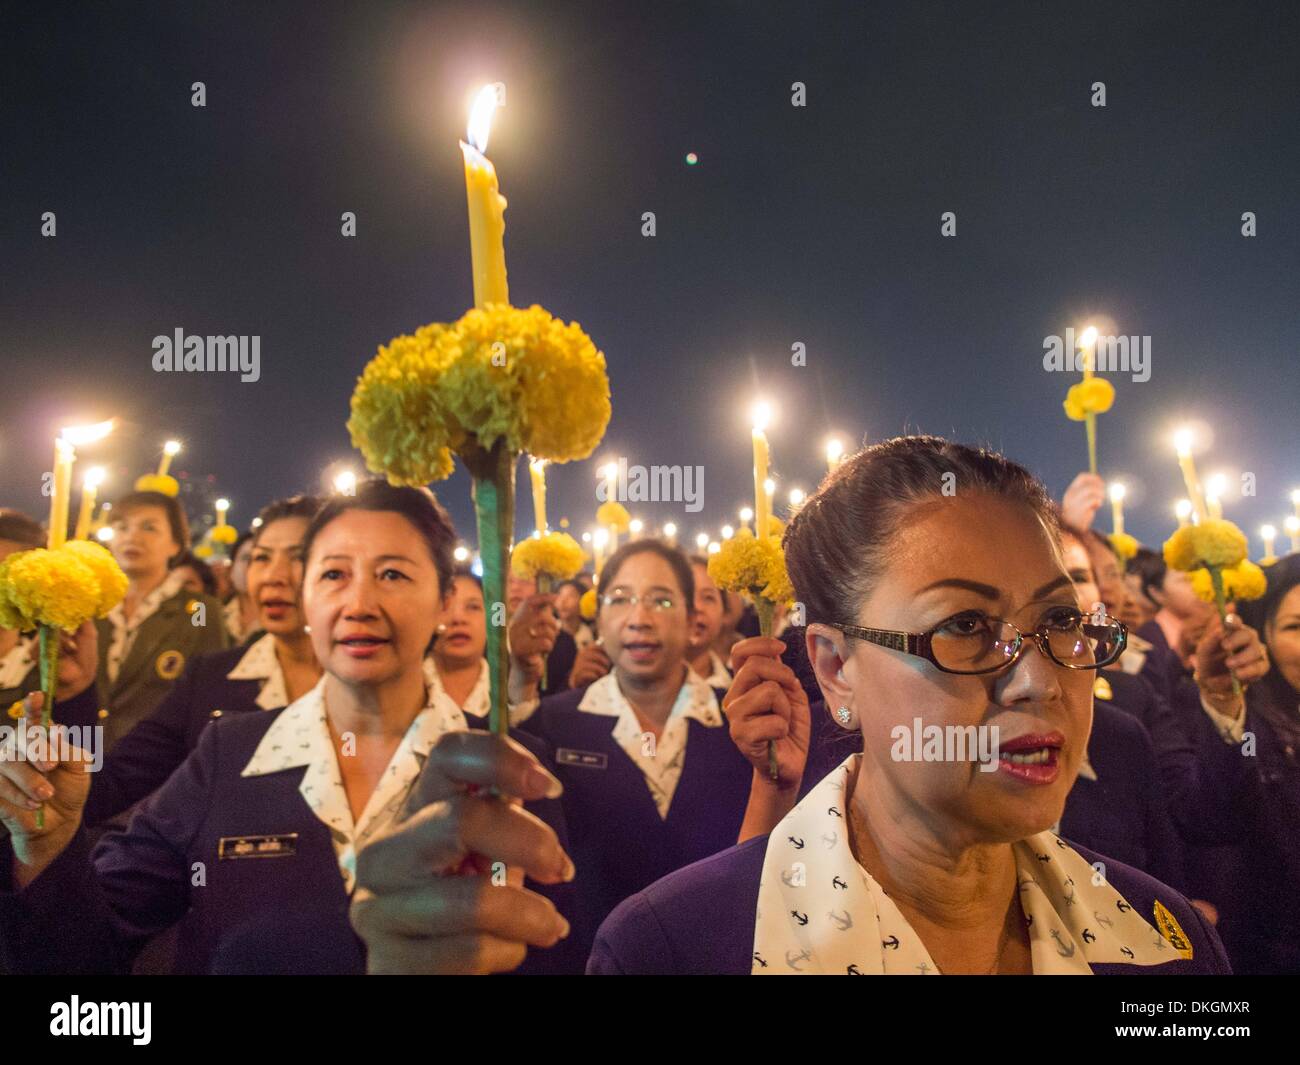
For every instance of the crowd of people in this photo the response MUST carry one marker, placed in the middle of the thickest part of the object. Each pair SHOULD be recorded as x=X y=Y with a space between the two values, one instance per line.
x=304 y=782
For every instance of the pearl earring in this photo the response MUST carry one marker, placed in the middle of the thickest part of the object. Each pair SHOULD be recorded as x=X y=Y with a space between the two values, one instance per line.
x=307 y=629
x=844 y=714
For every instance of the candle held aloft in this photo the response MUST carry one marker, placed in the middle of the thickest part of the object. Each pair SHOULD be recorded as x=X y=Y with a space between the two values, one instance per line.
x=89 y=489
x=170 y=449
x=487 y=223
x=1183 y=444
x=1293 y=530
x=1117 y=509
x=1269 y=535
x=60 y=498
x=537 y=473
x=762 y=507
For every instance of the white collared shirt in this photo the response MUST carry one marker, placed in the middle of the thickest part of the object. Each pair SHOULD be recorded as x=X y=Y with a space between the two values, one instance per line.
x=124 y=631
x=719 y=676
x=233 y=618
x=660 y=761
x=478 y=702
x=260 y=662
x=820 y=912
x=15 y=665
x=300 y=736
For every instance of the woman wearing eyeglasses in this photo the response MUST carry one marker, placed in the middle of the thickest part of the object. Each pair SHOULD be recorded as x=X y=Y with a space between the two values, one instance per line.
x=943 y=628
x=652 y=781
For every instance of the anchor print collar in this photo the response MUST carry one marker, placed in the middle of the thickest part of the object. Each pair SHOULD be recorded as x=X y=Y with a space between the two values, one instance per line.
x=820 y=913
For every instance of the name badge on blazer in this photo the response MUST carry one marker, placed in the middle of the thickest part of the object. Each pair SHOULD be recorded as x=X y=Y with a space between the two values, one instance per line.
x=585 y=759
x=231 y=847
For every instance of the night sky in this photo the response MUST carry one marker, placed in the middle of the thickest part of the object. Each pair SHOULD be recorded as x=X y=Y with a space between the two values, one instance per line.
x=818 y=225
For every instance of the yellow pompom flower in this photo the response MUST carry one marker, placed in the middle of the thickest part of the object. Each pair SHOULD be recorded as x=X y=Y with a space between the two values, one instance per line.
x=204 y=551
x=112 y=581
x=615 y=514
x=43 y=587
x=775 y=526
x=1215 y=542
x=16 y=711
x=224 y=534
x=1242 y=581
x=1124 y=546
x=1093 y=396
x=587 y=604
x=158 y=482
x=751 y=566
x=558 y=555
x=527 y=377
x=399 y=421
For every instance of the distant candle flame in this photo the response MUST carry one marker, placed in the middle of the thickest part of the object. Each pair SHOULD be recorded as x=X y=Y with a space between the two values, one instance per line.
x=172 y=447
x=480 y=117
x=1183 y=509
x=94 y=477
x=1183 y=442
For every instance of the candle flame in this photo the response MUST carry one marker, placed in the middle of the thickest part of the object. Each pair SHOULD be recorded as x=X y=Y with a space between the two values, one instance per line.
x=601 y=538
x=1183 y=509
x=796 y=496
x=223 y=504
x=670 y=529
x=86 y=434
x=1183 y=442
x=834 y=449
x=1216 y=486
x=746 y=513
x=94 y=477
x=762 y=416
x=702 y=541
x=1268 y=532
x=1295 y=497
x=172 y=447
x=728 y=532
x=769 y=486
x=1088 y=337
x=345 y=483
x=1117 y=491
x=480 y=117
x=1292 y=525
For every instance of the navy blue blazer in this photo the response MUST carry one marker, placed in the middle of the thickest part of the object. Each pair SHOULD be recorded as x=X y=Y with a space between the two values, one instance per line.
x=1122 y=813
x=700 y=921
x=620 y=844
x=276 y=914
x=142 y=760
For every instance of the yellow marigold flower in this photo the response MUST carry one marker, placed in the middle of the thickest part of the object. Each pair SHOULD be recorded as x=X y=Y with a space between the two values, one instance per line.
x=158 y=482
x=615 y=514
x=1093 y=396
x=1242 y=581
x=112 y=581
x=1124 y=546
x=204 y=551
x=16 y=710
x=775 y=526
x=752 y=567
x=527 y=377
x=400 y=422
x=587 y=604
x=42 y=587
x=224 y=534
x=1215 y=542
x=558 y=555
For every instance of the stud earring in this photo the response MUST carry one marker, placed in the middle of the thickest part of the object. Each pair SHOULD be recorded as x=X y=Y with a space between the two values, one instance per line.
x=441 y=628
x=844 y=714
x=307 y=629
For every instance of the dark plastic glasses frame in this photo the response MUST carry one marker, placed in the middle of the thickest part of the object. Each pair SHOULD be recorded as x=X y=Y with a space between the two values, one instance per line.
x=919 y=644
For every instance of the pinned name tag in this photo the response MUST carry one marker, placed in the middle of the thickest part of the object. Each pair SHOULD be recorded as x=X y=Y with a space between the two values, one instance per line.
x=230 y=847
x=585 y=759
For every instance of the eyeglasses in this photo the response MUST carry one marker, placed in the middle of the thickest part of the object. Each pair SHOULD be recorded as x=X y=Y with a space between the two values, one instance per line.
x=973 y=642
x=620 y=601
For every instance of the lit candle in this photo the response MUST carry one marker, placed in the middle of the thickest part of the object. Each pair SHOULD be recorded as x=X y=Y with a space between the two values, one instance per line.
x=222 y=505
x=1088 y=350
x=89 y=489
x=598 y=541
x=65 y=454
x=1292 y=525
x=746 y=515
x=610 y=470
x=635 y=526
x=702 y=541
x=1183 y=510
x=170 y=450
x=537 y=471
x=834 y=452
x=728 y=532
x=487 y=223
x=762 y=508
x=796 y=497
x=1214 y=489
x=345 y=483
x=1295 y=501
x=1117 y=508
x=1183 y=444
x=670 y=531
x=1270 y=540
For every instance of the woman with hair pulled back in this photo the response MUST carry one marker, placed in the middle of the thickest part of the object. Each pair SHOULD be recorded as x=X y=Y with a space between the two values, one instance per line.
x=943 y=627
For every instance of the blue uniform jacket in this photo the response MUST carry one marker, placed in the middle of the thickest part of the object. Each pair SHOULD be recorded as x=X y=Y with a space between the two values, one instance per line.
x=620 y=844
x=91 y=912
x=700 y=921
x=1122 y=813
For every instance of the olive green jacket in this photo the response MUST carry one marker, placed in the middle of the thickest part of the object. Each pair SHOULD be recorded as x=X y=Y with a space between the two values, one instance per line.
x=162 y=649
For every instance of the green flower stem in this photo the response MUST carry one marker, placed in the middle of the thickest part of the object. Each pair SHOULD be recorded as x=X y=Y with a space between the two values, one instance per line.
x=1221 y=601
x=49 y=663
x=1090 y=423
x=765 y=608
x=494 y=513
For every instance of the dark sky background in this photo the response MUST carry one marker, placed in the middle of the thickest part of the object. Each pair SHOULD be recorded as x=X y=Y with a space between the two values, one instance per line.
x=818 y=224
